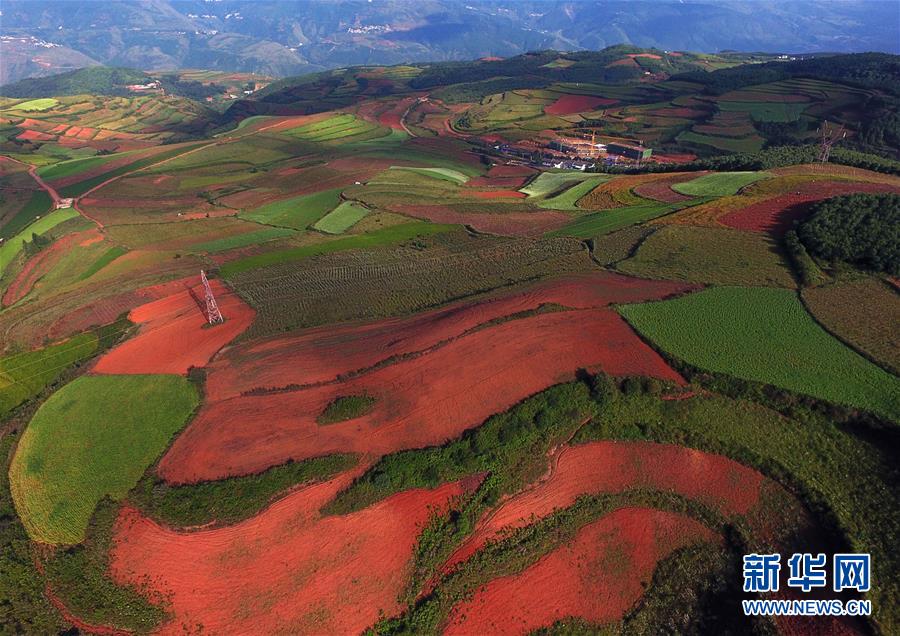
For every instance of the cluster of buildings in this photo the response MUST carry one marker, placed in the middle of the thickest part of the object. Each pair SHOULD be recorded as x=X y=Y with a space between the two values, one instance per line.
x=570 y=153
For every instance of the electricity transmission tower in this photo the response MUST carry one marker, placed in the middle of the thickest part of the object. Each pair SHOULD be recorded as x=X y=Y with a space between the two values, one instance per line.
x=213 y=315
x=829 y=138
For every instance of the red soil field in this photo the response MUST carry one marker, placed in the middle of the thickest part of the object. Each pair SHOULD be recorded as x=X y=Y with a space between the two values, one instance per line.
x=777 y=215
x=34 y=135
x=510 y=171
x=651 y=56
x=107 y=166
x=625 y=61
x=322 y=354
x=392 y=116
x=43 y=262
x=661 y=190
x=174 y=336
x=673 y=157
x=417 y=402
x=496 y=194
x=506 y=224
x=596 y=576
x=571 y=104
x=287 y=570
x=611 y=467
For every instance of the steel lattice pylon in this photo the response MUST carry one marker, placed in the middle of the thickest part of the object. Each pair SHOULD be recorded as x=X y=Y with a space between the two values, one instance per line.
x=213 y=315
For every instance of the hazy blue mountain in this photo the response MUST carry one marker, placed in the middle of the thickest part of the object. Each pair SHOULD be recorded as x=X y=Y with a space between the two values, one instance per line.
x=289 y=37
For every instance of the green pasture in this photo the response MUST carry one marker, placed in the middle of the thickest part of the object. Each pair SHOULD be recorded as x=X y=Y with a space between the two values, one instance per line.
x=380 y=238
x=10 y=248
x=342 y=218
x=765 y=335
x=297 y=212
x=719 y=184
x=93 y=438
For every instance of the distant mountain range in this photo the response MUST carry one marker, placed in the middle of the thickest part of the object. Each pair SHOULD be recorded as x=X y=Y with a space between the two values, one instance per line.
x=290 y=37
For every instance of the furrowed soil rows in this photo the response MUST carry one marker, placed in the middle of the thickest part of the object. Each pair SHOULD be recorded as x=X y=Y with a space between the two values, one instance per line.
x=524 y=224
x=366 y=286
x=777 y=215
x=611 y=467
x=597 y=576
x=286 y=570
x=324 y=354
x=175 y=334
x=417 y=403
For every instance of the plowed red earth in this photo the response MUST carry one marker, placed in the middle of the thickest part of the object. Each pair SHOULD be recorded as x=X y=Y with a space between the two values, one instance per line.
x=105 y=310
x=777 y=215
x=596 y=576
x=505 y=224
x=418 y=402
x=571 y=104
x=496 y=194
x=43 y=262
x=107 y=166
x=287 y=570
x=322 y=354
x=661 y=190
x=175 y=335
x=610 y=467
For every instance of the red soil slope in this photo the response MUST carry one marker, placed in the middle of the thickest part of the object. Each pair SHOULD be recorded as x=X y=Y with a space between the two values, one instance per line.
x=287 y=570
x=174 y=335
x=418 y=402
x=597 y=576
x=661 y=190
x=321 y=354
x=571 y=104
x=777 y=215
x=608 y=467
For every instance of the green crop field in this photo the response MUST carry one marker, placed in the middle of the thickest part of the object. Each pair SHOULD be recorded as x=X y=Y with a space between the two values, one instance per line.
x=38 y=205
x=9 y=249
x=862 y=311
x=719 y=184
x=297 y=212
x=105 y=259
x=45 y=103
x=379 y=238
x=767 y=111
x=568 y=199
x=447 y=174
x=765 y=335
x=547 y=183
x=93 y=438
x=747 y=144
x=243 y=240
x=342 y=218
x=717 y=256
x=24 y=375
x=599 y=223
